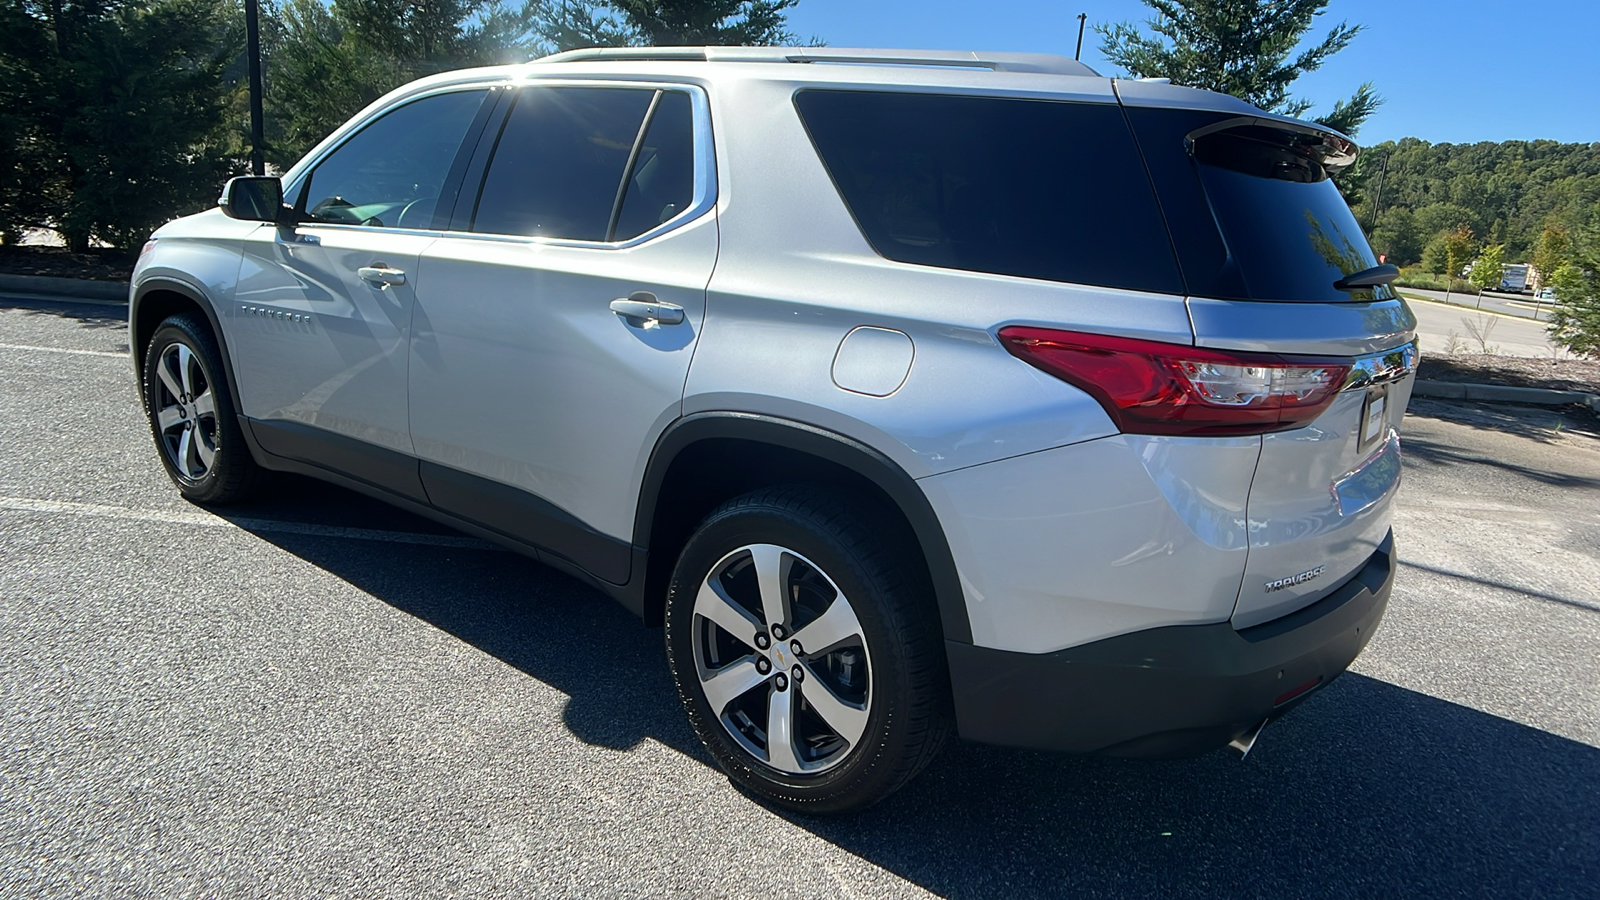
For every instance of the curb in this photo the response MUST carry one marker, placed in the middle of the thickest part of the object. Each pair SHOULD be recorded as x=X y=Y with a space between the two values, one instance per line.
x=66 y=288
x=1499 y=393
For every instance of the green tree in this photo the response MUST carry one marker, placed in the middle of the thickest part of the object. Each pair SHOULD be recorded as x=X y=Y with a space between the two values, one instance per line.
x=1435 y=255
x=710 y=22
x=1457 y=250
x=1553 y=250
x=1397 y=237
x=571 y=24
x=1488 y=271
x=1575 y=320
x=325 y=63
x=1248 y=48
x=126 y=121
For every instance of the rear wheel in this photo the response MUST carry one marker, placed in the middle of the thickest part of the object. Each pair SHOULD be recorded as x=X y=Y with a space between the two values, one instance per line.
x=192 y=417
x=808 y=666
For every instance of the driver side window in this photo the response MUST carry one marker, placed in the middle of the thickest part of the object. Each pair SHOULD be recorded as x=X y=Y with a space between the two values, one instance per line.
x=391 y=172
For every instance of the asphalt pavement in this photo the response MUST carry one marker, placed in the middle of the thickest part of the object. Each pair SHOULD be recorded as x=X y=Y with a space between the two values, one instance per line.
x=316 y=695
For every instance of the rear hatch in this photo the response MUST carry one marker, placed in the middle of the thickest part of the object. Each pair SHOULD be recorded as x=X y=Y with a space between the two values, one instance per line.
x=1262 y=235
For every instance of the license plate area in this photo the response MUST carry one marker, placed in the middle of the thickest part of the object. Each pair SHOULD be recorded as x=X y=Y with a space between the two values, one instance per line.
x=1374 y=416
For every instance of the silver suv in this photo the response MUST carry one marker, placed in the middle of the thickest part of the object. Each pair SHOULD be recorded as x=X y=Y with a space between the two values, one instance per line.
x=913 y=392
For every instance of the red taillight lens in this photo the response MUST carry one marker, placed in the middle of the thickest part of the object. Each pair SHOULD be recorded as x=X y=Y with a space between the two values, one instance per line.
x=1148 y=387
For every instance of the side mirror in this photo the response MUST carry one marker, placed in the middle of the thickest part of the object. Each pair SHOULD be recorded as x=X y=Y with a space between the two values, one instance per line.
x=255 y=199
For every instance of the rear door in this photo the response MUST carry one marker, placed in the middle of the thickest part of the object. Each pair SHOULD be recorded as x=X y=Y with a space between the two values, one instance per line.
x=1262 y=235
x=555 y=324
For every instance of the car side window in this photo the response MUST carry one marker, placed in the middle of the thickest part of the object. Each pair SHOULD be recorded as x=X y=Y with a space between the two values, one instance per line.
x=560 y=160
x=391 y=172
x=661 y=184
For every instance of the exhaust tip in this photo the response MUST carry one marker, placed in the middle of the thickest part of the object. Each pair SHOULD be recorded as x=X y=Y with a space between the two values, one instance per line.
x=1247 y=741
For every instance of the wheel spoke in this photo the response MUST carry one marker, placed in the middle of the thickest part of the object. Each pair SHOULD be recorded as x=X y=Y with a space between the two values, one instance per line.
x=205 y=404
x=713 y=604
x=165 y=372
x=772 y=575
x=838 y=623
x=206 y=452
x=729 y=683
x=168 y=419
x=185 y=373
x=186 y=452
x=846 y=719
x=780 y=731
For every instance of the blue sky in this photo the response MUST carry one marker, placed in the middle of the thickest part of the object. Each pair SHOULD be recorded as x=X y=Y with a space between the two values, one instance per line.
x=1454 y=71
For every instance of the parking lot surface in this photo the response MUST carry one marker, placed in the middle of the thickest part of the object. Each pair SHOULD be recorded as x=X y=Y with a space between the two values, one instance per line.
x=317 y=695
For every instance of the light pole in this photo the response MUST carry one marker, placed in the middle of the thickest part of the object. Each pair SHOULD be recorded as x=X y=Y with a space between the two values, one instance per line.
x=1076 y=54
x=252 y=40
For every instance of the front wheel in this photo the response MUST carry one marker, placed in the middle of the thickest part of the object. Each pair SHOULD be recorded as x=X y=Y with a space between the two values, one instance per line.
x=805 y=652
x=192 y=417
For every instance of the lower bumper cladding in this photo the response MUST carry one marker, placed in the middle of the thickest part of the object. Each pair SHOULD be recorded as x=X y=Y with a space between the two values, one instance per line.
x=1175 y=691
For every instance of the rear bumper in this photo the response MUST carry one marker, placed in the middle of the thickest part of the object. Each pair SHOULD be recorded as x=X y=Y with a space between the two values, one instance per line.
x=1174 y=691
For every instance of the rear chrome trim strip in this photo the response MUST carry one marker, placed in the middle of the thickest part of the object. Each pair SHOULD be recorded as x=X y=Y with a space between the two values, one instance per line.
x=1382 y=368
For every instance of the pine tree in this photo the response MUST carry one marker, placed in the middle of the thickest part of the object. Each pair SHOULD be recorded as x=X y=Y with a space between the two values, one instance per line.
x=572 y=24
x=1575 y=319
x=124 y=121
x=1246 y=48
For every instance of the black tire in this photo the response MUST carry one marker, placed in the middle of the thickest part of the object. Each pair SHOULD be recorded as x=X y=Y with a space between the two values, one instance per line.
x=905 y=691
x=214 y=466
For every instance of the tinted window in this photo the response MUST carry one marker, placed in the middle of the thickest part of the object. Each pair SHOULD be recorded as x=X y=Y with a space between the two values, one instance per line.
x=560 y=161
x=1253 y=214
x=391 y=171
x=1287 y=226
x=662 y=182
x=1040 y=189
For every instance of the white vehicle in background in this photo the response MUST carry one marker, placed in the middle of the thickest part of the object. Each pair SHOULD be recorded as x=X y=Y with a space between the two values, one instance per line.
x=1514 y=277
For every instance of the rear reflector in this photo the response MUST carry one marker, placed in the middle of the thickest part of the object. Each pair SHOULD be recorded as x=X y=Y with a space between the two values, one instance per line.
x=1148 y=387
x=1286 y=696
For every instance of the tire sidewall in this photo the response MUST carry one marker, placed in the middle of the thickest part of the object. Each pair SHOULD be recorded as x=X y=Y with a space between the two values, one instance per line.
x=720 y=535
x=214 y=483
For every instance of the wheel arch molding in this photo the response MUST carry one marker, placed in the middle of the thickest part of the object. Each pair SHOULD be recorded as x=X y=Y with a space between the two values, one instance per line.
x=156 y=299
x=708 y=457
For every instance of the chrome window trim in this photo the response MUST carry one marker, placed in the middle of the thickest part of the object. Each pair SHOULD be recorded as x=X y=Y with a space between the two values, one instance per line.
x=705 y=168
x=1382 y=368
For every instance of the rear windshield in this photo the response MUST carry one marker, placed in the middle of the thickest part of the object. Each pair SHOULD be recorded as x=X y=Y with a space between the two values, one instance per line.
x=1034 y=188
x=1286 y=234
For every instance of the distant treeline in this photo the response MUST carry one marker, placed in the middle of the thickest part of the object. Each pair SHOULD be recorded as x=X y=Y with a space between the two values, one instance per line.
x=1506 y=193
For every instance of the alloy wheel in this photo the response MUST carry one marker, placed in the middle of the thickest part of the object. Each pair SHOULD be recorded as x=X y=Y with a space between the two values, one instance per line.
x=781 y=659
x=186 y=412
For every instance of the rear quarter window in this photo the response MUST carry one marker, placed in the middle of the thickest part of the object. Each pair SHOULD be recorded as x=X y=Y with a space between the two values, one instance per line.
x=1255 y=214
x=1042 y=189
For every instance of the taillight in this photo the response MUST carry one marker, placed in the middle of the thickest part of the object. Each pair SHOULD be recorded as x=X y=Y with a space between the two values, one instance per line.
x=1148 y=387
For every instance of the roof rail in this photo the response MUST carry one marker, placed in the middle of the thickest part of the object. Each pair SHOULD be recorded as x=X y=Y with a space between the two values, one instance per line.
x=999 y=62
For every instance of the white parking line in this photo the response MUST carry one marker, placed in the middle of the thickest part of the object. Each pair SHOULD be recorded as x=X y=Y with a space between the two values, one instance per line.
x=206 y=520
x=63 y=350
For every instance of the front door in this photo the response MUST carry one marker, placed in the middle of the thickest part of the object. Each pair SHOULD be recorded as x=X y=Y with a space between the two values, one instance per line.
x=322 y=317
x=551 y=344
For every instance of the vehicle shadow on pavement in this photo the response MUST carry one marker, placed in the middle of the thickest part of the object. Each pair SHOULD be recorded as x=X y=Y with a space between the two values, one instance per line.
x=1545 y=424
x=1431 y=452
x=1368 y=790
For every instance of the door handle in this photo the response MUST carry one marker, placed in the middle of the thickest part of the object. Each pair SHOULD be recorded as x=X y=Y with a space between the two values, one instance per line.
x=381 y=275
x=644 y=306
